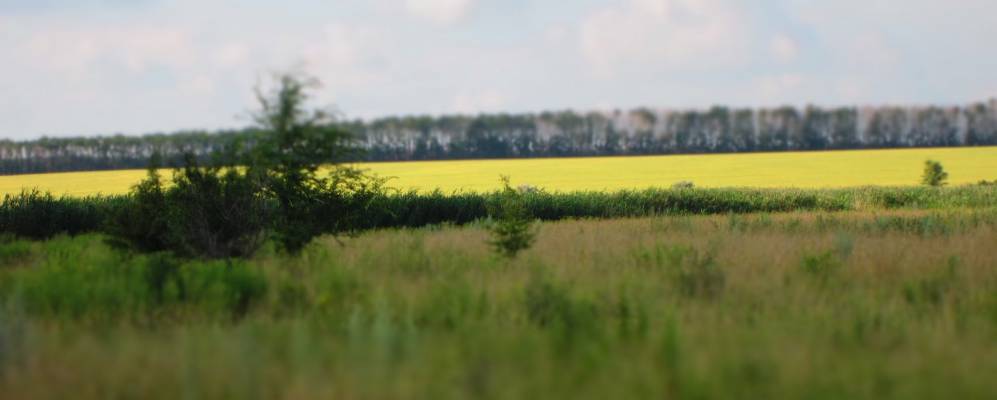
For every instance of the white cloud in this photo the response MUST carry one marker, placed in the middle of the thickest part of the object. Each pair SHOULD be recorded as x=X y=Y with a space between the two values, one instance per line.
x=663 y=33
x=851 y=89
x=347 y=57
x=439 y=11
x=232 y=56
x=200 y=85
x=784 y=48
x=556 y=35
x=76 y=49
x=778 y=88
x=870 y=50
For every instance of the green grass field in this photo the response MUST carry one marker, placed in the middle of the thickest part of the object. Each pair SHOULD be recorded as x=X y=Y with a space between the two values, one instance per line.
x=764 y=170
x=876 y=305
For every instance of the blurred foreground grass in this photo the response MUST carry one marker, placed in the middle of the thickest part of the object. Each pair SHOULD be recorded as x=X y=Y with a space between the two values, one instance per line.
x=886 y=304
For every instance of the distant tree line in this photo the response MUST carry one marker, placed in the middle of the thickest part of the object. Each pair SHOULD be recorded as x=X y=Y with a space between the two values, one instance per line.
x=640 y=131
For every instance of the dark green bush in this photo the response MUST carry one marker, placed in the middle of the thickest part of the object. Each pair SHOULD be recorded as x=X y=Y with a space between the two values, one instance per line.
x=934 y=174
x=207 y=213
x=36 y=215
x=512 y=227
x=143 y=222
x=216 y=214
x=222 y=211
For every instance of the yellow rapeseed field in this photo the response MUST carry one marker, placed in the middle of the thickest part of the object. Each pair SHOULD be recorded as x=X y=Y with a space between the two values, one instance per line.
x=770 y=170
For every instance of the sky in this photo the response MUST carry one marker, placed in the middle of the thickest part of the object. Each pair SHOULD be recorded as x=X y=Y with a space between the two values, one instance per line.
x=88 y=67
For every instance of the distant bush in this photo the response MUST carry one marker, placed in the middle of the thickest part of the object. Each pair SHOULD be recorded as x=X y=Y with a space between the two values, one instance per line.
x=934 y=174
x=513 y=229
x=683 y=185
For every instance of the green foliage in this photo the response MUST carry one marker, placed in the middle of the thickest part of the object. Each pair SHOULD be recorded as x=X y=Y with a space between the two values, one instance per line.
x=934 y=175
x=13 y=252
x=296 y=142
x=80 y=279
x=360 y=204
x=36 y=215
x=822 y=266
x=266 y=189
x=142 y=223
x=513 y=227
x=215 y=213
x=207 y=213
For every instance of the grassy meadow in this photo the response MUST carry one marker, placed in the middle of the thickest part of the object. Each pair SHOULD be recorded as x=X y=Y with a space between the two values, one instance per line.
x=829 y=169
x=858 y=304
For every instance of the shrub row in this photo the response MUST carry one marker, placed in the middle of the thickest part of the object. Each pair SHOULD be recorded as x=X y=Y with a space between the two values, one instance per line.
x=37 y=215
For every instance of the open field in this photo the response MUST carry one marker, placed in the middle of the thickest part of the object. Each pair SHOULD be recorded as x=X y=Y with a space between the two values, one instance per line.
x=809 y=292
x=763 y=170
x=888 y=304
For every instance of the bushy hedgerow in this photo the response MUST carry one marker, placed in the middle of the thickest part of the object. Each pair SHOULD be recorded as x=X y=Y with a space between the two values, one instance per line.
x=372 y=208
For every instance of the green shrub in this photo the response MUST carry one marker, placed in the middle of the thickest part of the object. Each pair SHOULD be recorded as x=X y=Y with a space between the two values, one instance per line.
x=216 y=214
x=222 y=211
x=513 y=228
x=934 y=174
x=821 y=265
x=207 y=213
x=683 y=185
x=143 y=222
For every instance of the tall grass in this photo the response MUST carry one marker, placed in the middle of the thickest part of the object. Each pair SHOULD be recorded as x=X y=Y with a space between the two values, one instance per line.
x=869 y=304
